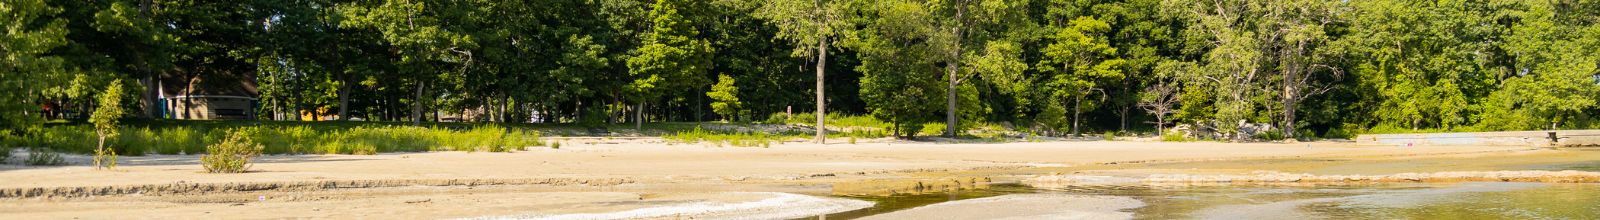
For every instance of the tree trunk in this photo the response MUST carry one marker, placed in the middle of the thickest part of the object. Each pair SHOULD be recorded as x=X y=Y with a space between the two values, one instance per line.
x=416 y=106
x=951 y=67
x=148 y=101
x=822 y=107
x=1289 y=96
x=638 y=122
x=99 y=149
x=1076 y=101
x=344 y=100
x=1160 y=125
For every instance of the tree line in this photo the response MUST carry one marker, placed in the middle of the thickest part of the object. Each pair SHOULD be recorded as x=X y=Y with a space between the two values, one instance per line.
x=1312 y=67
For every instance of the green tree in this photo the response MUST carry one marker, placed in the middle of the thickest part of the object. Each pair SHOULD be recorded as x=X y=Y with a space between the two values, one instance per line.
x=900 y=83
x=810 y=24
x=963 y=28
x=426 y=47
x=672 y=57
x=1081 y=59
x=27 y=68
x=726 y=95
x=105 y=117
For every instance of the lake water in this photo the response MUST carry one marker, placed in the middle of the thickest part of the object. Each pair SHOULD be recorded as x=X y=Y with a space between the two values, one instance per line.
x=1466 y=200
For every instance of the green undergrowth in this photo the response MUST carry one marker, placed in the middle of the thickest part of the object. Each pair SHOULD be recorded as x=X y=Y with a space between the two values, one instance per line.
x=737 y=139
x=834 y=120
x=284 y=139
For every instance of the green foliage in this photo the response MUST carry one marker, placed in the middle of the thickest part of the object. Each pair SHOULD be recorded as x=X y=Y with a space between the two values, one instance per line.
x=893 y=66
x=27 y=68
x=105 y=118
x=726 y=95
x=233 y=155
x=43 y=157
x=1174 y=137
x=672 y=57
x=737 y=139
x=1080 y=60
x=1110 y=136
x=777 y=118
x=298 y=139
x=1273 y=135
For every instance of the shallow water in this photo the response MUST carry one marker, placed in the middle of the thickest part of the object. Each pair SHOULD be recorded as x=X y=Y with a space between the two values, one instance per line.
x=1473 y=200
x=1469 y=200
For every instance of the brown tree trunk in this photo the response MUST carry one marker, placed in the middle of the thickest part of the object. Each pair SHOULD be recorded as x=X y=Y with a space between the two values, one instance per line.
x=344 y=100
x=1076 y=101
x=416 y=105
x=638 y=122
x=950 y=68
x=822 y=107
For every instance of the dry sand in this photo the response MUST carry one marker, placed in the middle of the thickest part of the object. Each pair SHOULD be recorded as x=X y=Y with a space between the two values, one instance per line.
x=611 y=176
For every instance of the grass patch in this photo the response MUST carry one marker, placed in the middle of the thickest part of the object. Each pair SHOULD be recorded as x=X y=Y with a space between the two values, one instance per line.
x=737 y=139
x=1174 y=137
x=833 y=120
x=232 y=155
x=332 y=138
x=44 y=157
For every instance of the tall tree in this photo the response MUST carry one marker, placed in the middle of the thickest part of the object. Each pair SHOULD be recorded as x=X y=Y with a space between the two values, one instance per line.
x=900 y=83
x=416 y=30
x=1081 y=60
x=964 y=27
x=672 y=57
x=27 y=68
x=810 y=24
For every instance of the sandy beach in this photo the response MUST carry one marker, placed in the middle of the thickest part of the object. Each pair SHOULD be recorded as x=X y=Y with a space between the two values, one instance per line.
x=629 y=179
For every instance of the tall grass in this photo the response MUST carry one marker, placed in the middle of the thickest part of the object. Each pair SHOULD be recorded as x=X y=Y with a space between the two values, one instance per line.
x=293 y=139
x=737 y=139
x=839 y=120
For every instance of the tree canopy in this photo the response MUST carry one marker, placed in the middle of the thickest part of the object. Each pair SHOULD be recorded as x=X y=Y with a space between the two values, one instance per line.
x=1307 y=67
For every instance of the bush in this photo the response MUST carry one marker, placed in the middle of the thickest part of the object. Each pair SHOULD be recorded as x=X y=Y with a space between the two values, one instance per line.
x=1174 y=137
x=1111 y=135
x=777 y=118
x=5 y=153
x=1270 y=135
x=738 y=139
x=232 y=155
x=44 y=157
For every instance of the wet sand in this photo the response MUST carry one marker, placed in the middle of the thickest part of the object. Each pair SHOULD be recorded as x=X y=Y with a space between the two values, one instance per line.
x=593 y=179
x=1024 y=206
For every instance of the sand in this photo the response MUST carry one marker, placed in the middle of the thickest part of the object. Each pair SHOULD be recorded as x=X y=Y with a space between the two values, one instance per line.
x=601 y=178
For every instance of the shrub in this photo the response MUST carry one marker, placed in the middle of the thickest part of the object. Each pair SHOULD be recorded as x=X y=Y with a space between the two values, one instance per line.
x=1111 y=135
x=1174 y=137
x=777 y=118
x=38 y=156
x=1270 y=135
x=5 y=153
x=232 y=155
x=555 y=145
